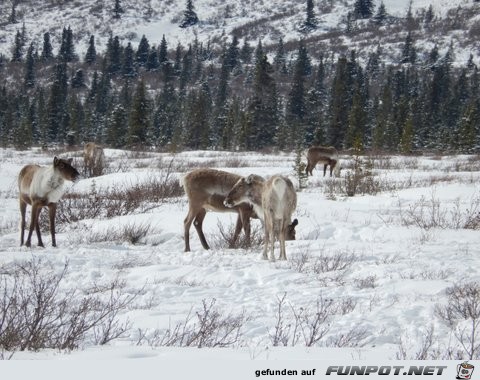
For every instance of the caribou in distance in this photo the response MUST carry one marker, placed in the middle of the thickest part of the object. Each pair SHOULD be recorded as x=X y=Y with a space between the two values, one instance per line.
x=93 y=159
x=328 y=156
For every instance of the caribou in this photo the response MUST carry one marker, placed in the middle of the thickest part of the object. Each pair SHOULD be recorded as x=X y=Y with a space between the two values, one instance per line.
x=274 y=201
x=93 y=159
x=328 y=156
x=43 y=187
x=206 y=190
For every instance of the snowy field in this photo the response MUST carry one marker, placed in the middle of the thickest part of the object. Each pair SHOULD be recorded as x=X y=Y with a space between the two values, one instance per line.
x=365 y=278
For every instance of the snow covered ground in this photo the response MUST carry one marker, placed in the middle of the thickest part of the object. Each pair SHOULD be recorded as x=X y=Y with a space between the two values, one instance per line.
x=372 y=263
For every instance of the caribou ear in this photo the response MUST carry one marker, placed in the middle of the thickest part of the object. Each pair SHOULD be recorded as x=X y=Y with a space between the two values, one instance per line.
x=250 y=179
x=295 y=222
x=55 y=160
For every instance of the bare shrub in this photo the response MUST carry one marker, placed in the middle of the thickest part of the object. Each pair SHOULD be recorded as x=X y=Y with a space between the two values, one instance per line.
x=132 y=232
x=329 y=268
x=462 y=315
x=352 y=338
x=280 y=336
x=337 y=262
x=118 y=201
x=207 y=327
x=366 y=282
x=300 y=263
x=423 y=349
x=309 y=325
x=332 y=187
x=37 y=313
x=225 y=237
x=8 y=226
x=430 y=213
x=361 y=180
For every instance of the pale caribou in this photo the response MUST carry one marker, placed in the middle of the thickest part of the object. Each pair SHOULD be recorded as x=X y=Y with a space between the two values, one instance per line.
x=39 y=187
x=326 y=155
x=206 y=190
x=274 y=201
x=93 y=159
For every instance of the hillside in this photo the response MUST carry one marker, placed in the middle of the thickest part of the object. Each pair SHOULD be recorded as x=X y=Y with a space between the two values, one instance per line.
x=247 y=19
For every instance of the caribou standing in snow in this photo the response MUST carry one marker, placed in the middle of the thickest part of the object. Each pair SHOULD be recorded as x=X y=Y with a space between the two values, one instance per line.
x=43 y=187
x=93 y=159
x=328 y=156
x=274 y=201
x=206 y=190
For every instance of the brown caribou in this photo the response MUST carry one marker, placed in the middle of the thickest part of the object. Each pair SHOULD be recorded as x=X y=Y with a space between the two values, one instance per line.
x=206 y=190
x=328 y=156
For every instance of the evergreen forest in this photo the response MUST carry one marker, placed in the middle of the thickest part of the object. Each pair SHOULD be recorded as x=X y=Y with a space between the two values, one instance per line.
x=242 y=96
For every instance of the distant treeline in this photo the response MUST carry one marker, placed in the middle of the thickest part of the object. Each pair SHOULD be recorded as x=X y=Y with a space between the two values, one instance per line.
x=238 y=97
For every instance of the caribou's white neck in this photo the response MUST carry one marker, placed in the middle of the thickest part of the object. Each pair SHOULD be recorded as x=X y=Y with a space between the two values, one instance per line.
x=259 y=211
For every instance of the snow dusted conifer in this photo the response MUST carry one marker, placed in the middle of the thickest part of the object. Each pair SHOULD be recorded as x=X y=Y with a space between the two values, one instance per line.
x=190 y=18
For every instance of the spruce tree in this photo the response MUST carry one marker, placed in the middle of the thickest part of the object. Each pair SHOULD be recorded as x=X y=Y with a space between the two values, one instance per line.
x=29 y=78
x=383 y=115
x=280 y=59
x=67 y=48
x=232 y=54
x=409 y=53
x=166 y=113
x=381 y=15
x=77 y=121
x=190 y=18
x=17 y=50
x=339 y=104
x=91 y=54
x=406 y=141
x=429 y=16
x=117 y=9
x=357 y=120
x=186 y=71
x=153 y=64
x=57 y=104
x=177 y=65
x=139 y=121
x=316 y=106
x=363 y=9
x=198 y=118
x=23 y=134
x=468 y=129
x=47 y=51
x=433 y=56
x=128 y=66
x=12 y=18
x=163 y=51
x=263 y=106
x=114 y=55
x=221 y=96
x=116 y=131
x=310 y=22
x=78 y=80
x=246 y=52
x=141 y=56
x=296 y=109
